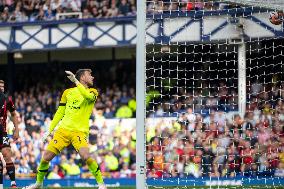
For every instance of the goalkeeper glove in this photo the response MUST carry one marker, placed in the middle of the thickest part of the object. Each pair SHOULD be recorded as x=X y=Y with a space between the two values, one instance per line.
x=72 y=77
x=45 y=135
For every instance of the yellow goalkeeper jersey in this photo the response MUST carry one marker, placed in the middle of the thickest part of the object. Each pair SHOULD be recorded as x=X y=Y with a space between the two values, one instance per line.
x=75 y=109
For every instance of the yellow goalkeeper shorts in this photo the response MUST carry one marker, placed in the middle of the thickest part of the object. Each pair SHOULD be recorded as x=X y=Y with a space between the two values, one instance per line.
x=64 y=137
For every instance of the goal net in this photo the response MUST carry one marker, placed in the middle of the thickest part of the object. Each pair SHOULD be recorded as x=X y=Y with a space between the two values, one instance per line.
x=214 y=94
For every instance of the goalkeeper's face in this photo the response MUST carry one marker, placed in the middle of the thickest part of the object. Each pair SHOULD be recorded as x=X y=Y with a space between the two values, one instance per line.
x=88 y=78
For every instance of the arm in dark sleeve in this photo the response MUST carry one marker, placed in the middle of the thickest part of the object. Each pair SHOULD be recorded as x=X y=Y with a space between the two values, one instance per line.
x=11 y=106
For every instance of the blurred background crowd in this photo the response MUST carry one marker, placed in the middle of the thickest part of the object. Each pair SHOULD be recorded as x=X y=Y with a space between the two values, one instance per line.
x=38 y=10
x=190 y=143
x=193 y=127
x=111 y=144
x=218 y=145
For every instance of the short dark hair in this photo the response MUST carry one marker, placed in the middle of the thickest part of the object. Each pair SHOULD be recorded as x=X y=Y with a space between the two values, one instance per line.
x=81 y=72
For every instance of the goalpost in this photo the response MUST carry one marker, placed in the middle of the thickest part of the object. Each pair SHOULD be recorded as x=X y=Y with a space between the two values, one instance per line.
x=140 y=95
x=209 y=90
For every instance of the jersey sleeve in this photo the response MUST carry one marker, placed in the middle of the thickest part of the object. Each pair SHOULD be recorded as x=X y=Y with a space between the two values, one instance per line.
x=60 y=111
x=11 y=106
x=95 y=92
x=90 y=94
x=63 y=99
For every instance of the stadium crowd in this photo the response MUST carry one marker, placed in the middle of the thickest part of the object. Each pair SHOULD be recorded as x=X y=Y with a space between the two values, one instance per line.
x=39 y=10
x=37 y=105
x=193 y=134
x=216 y=147
x=194 y=144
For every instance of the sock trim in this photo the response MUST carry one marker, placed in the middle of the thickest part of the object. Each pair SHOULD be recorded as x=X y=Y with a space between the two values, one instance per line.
x=90 y=161
x=98 y=169
x=43 y=170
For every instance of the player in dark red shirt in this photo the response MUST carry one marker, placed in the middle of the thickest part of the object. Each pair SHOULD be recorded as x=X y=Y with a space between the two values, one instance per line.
x=7 y=105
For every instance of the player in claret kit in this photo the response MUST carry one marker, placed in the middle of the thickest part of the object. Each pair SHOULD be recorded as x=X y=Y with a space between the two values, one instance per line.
x=74 y=111
x=7 y=105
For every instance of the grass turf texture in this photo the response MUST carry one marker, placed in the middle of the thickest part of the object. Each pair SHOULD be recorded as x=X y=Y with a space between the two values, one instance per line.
x=187 y=187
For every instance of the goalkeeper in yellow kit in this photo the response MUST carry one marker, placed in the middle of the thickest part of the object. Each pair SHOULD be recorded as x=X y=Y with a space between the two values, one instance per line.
x=74 y=111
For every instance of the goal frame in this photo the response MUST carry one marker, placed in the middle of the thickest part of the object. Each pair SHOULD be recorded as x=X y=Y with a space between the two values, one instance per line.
x=140 y=94
x=141 y=83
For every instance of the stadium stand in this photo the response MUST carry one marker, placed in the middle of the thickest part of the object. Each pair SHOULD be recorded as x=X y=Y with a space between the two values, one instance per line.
x=46 y=10
x=196 y=144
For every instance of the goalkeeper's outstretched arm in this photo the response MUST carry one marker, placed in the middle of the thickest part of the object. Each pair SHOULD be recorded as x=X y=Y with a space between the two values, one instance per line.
x=86 y=94
x=91 y=96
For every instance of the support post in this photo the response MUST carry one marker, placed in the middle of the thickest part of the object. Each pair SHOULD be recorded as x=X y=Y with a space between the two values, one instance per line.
x=242 y=79
x=140 y=95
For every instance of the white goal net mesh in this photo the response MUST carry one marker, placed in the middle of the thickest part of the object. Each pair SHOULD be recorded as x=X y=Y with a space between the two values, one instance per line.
x=195 y=134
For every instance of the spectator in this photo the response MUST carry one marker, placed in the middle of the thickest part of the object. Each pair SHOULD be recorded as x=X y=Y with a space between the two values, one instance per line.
x=49 y=15
x=111 y=162
x=24 y=168
x=123 y=8
x=124 y=112
x=54 y=174
x=93 y=134
x=32 y=164
x=71 y=168
x=95 y=12
x=104 y=12
x=125 y=172
x=28 y=7
x=40 y=15
x=113 y=11
x=75 y=5
x=24 y=10
x=5 y=15
x=55 y=4
x=133 y=11
x=86 y=14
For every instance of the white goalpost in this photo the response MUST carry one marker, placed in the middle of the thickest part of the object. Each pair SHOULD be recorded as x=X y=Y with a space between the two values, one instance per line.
x=140 y=95
x=209 y=91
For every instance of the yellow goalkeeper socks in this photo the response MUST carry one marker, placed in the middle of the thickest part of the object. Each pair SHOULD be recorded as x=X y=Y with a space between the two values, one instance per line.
x=95 y=170
x=41 y=171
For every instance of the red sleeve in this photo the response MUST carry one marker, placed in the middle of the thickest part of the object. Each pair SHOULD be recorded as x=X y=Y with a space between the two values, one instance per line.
x=10 y=105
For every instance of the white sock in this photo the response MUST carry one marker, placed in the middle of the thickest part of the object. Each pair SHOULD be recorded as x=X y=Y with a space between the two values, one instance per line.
x=13 y=182
x=1 y=186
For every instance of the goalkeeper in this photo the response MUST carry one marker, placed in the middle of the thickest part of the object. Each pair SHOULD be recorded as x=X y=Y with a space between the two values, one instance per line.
x=74 y=111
